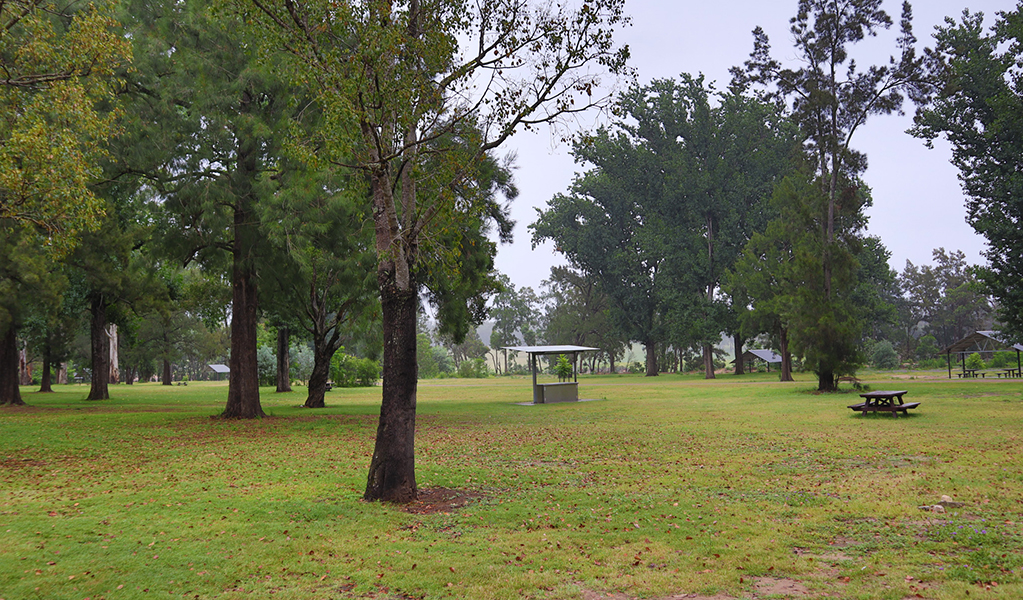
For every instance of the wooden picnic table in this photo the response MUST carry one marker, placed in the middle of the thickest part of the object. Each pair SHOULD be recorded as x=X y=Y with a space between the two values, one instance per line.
x=884 y=400
x=1010 y=372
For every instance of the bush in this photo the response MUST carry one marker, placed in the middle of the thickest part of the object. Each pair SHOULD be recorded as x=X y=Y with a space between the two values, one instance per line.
x=349 y=371
x=266 y=364
x=974 y=361
x=563 y=368
x=927 y=347
x=1003 y=359
x=884 y=356
x=474 y=368
x=301 y=367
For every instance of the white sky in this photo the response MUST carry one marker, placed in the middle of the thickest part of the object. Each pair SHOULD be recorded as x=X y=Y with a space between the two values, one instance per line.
x=918 y=203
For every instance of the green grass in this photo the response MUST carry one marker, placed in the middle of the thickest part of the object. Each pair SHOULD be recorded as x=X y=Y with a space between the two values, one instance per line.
x=665 y=486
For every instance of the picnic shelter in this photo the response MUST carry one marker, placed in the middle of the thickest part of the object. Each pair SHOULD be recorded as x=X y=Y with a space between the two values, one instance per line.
x=982 y=342
x=768 y=356
x=565 y=391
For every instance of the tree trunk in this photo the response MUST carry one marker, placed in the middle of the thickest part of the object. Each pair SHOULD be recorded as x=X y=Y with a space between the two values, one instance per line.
x=651 y=358
x=318 y=378
x=10 y=393
x=46 y=380
x=392 y=474
x=115 y=371
x=166 y=377
x=786 y=356
x=708 y=361
x=62 y=374
x=826 y=381
x=243 y=389
x=284 y=360
x=740 y=364
x=24 y=367
x=100 y=350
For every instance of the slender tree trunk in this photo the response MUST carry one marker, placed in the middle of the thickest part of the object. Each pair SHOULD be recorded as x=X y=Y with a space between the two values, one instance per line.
x=318 y=378
x=100 y=350
x=786 y=356
x=46 y=380
x=708 y=361
x=129 y=375
x=62 y=374
x=166 y=378
x=651 y=358
x=284 y=360
x=740 y=364
x=243 y=389
x=392 y=475
x=115 y=371
x=10 y=393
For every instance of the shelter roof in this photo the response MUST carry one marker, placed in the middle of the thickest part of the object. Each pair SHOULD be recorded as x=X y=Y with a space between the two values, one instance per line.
x=764 y=355
x=551 y=349
x=983 y=338
x=219 y=368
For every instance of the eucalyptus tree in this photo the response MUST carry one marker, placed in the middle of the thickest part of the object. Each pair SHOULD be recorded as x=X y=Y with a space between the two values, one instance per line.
x=516 y=316
x=977 y=109
x=396 y=76
x=831 y=98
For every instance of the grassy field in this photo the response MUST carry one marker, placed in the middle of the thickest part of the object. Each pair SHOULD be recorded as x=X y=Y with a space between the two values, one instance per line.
x=740 y=487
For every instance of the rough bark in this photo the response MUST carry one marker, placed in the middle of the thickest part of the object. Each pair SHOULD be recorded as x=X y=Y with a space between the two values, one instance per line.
x=826 y=381
x=166 y=378
x=651 y=358
x=740 y=364
x=46 y=379
x=10 y=393
x=708 y=361
x=786 y=356
x=284 y=360
x=115 y=370
x=243 y=389
x=392 y=474
x=318 y=378
x=100 y=349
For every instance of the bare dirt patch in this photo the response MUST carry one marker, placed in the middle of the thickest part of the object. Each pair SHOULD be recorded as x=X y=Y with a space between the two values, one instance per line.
x=590 y=595
x=788 y=588
x=441 y=500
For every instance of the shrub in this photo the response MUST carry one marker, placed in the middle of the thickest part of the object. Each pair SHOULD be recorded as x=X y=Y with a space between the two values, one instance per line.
x=884 y=356
x=1003 y=359
x=927 y=347
x=563 y=368
x=348 y=371
x=974 y=361
x=266 y=364
x=474 y=368
x=301 y=367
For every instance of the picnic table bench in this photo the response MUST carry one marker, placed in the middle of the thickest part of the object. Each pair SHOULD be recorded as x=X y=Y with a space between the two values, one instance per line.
x=1007 y=373
x=884 y=400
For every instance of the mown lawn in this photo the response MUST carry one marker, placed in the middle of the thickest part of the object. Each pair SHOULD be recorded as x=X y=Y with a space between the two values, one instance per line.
x=738 y=487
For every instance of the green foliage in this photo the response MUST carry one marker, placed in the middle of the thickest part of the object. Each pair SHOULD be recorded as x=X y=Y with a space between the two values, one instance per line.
x=56 y=96
x=473 y=368
x=927 y=347
x=974 y=361
x=1003 y=359
x=428 y=368
x=563 y=368
x=349 y=371
x=884 y=356
x=947 y=296
x=977 y=110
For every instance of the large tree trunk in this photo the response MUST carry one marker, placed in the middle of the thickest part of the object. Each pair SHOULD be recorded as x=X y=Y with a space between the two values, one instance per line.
x=708 y=361
x=46 y=381
x=392 y=472
x=243 y=389
x=318 y=378
x=284 y=360
x=100 y=349
x=786 y=356
x=166 y=378
x=10 y=393
x=826 y=381
x=651 y=358
x=62 y=374
x=740 y=364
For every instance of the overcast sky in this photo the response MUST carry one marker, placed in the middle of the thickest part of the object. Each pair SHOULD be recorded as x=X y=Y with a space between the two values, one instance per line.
x=918 y=203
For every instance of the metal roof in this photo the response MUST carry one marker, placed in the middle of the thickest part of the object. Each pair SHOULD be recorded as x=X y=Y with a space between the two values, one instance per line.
x=765 y=355
x=983 y=338
x=551 y=349
x=219 y=368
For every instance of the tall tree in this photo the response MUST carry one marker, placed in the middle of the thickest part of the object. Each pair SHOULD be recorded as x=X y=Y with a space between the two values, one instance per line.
x=978 y=110
x=515 y=313
x=947 y=298
x=830 y=99
x=394 y=79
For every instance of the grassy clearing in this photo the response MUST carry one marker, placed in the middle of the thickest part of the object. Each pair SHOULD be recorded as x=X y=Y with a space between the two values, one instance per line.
x=665 y=486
